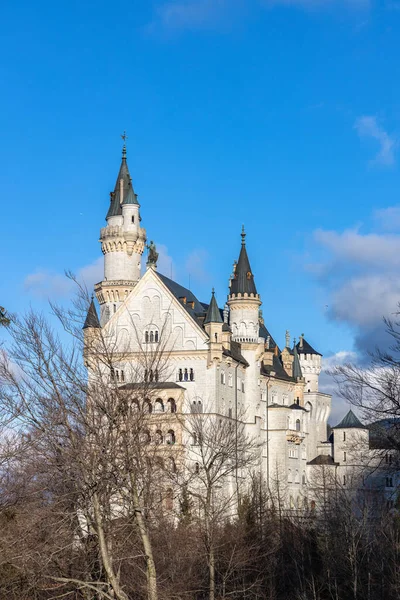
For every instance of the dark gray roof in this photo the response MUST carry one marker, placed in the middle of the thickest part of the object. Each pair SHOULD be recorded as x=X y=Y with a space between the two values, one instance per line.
x=213 y=313
x=155 y=385
x=264 y=333
x=181 y=292
x=92 y=320
x=128 y=194
x=306 y=348
x=295 y=406
x=235 y=353
x=350 y=421
x=243 y=279
x=323 y=459
x=277 y=368
x=297 y=374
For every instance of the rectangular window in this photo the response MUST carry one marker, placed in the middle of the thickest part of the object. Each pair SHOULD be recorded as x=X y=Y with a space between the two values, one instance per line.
x=242 y=386
x=389 y=482
x=344 y=436
x=344 y=479
x=344 y=456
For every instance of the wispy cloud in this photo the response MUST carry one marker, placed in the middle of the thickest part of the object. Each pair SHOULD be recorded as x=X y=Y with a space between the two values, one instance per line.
x=368 y=127
x=197 y=14
x=388 y=218
x=44 y=283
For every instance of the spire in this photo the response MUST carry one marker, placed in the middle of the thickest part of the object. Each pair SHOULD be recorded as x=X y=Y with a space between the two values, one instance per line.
x=213 y=315
x=243 y=279
x=297 y=373
x=92 y=320
x=123 y=191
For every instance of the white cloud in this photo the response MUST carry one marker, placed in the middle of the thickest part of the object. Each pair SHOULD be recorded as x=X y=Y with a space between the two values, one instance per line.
x=197 y=14
x=327 y=384
x=361 y=277
x=388 y=218
x=367 y=127
x=48 y=284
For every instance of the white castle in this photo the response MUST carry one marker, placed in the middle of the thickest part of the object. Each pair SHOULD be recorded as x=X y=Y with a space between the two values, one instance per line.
x=221 y=361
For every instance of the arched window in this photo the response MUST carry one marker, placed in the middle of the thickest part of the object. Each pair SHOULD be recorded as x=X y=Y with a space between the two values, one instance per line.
x=196 y=468
x=133 y=219
x=193 y=407
x=191 y=375
x=151 y=375
x=170 y=438
x=186 y=375
x=135 y=405
x=146 y=337
x=303 y=479
x=289 y=477
x=194 y=439
x=158 y=406
x=122 y=376
x=297 y=477
x=199 y=406
x=156 y=375
x=156 y=336
x=145 y=437
x=172 y=405
x=180 y=375
x=158 y=438
x=223 y=377
x=151 y=337
x=146 y=374
x=171 y=465
x=147 y=406
x=297 y=424
x=230 y=380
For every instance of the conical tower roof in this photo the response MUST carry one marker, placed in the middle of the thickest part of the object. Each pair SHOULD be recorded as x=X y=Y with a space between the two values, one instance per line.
x=92 y=320
x=242 y=281
x=213 y=314
x=350 y=421
x=123 y=191
x=297 y=373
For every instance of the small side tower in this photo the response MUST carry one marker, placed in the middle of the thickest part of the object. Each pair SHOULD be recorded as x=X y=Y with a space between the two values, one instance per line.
x=91 y=333
x=122 y=243
x=243 y=300
x=311 y=364
x=213 y=324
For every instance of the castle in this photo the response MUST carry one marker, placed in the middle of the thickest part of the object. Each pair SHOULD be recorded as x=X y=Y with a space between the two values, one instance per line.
x=220 y=360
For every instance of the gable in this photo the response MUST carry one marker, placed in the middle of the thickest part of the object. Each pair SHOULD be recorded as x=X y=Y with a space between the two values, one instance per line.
x=151 y=313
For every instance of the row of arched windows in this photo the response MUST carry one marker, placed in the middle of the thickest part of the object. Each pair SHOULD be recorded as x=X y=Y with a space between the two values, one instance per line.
x=150 y=375
x=159 y=438
x=159 y=406
x=117 y=375
x=196 y=406
x=151 y=337
x=185 y=375
x=296 y=477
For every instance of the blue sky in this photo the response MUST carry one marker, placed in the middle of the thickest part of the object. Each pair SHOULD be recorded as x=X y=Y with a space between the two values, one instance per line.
x=282 y=115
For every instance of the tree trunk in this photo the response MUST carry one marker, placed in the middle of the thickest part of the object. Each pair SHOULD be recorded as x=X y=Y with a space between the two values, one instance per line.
x=151 y=572
x=105 y=555
x=211 y=567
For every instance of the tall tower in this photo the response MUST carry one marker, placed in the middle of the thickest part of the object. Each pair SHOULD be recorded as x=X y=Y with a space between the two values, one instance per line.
x=243 y=300
x=122 y=243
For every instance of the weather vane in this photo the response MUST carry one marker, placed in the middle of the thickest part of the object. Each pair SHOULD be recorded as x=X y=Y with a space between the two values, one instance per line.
x=124 y=136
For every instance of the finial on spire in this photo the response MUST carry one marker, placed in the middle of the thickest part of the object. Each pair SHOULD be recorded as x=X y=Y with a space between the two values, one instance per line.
x=213 y=291
x=124 y=137
x=243 y=234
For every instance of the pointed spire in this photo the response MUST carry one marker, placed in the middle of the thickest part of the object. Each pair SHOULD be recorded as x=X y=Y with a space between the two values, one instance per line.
x=243 y=279
x=123 y=191
x=213 y=315
x=92 y=320
x=297 y=372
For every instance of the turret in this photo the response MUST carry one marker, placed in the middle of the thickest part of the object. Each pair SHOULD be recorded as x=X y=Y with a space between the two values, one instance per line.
x=213 y=325
x=310 y=362
x=91 y=331
x=122 y=243
x=243 y=300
